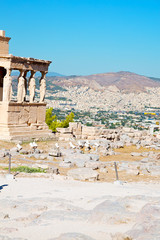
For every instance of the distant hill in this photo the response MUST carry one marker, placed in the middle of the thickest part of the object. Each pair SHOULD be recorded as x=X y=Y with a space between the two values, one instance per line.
x=155 y=79
x=120 y=81
x=54 y=74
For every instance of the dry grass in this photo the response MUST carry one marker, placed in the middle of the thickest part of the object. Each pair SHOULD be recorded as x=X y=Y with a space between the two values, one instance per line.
x=125 y=155
x=6 y=145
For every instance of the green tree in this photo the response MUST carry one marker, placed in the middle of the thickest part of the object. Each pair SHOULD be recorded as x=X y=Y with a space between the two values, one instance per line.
x=49 y=117
x=69 y=118
x=53 y=123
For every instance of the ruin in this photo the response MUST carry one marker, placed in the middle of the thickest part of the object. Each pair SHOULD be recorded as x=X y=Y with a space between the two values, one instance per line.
x=21 y=119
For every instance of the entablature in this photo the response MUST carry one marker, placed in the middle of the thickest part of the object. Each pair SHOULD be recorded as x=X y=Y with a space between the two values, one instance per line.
x=26 y=64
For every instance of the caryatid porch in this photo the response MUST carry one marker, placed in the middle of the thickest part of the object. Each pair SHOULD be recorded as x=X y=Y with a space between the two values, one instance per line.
x=21 y=119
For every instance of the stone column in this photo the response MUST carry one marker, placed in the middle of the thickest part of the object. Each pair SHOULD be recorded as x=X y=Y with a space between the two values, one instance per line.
x=43 y=86
x=21 y=92
x=32 y=87
x=7 y=86
x=25 y=80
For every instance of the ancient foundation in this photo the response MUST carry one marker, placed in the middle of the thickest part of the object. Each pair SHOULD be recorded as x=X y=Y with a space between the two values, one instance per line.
x=23 y=121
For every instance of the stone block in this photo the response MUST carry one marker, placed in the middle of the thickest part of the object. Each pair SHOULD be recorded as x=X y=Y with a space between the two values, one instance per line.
x=63 y=130
x=83 y=174
x=75 y=125
x=66 y=165
x=13 y=118
x=41 y=114
x=24 y=115
x=94 y=165
x=33 y=114
x=53 y=170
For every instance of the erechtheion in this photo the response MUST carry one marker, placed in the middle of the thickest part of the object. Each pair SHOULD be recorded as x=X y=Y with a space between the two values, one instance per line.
x=21 y=119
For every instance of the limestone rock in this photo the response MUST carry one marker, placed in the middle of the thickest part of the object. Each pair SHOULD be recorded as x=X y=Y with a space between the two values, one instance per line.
x=148 y=222
x=53 y=169
x=135 y=154
x=55 y=153
x=72 y=236
x=93 y=157
x=95 y=165
x=66 y=164
x=83 y=174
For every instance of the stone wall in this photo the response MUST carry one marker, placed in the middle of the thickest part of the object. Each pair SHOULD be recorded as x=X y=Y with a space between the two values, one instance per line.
x=4 y=46
x=23 y=121
x=22 y=113
x=79 y=131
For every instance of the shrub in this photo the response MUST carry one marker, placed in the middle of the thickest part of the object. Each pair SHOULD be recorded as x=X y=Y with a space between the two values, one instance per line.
x=27 y=169
x=53 y=123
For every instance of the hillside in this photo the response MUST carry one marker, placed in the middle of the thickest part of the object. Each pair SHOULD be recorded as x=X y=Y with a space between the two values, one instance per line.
x=126 y=82
x=123 y=81
x=123 y=91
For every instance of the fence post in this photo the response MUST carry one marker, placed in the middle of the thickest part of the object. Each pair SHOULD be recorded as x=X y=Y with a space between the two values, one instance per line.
x=9 y=163
x=115 y=166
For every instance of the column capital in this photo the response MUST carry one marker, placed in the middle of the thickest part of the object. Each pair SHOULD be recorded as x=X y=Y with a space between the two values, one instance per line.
x=33 y=72
x=8 y=71
x=43 y=74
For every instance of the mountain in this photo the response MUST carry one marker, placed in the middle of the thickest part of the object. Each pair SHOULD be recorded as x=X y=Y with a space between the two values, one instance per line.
x=54 y=74
x=155 y=79
x=118 y=81
x=114 y=81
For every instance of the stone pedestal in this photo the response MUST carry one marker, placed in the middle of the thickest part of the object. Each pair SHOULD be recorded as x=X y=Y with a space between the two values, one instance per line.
x=23 y=121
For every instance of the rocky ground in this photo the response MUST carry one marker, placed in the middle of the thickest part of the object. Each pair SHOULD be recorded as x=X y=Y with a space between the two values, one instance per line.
x=54 y=205
x=93 y=162
x=56 y=208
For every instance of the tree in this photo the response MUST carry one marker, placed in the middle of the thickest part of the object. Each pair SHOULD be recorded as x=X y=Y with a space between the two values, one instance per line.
x=69 y=118
x=49 y=117
x=53 y=123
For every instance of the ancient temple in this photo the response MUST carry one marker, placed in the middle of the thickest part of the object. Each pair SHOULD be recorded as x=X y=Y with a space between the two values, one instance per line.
x=21 y=119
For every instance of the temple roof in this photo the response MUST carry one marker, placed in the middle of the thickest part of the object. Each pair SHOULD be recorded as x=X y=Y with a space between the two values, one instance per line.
x=22 y=63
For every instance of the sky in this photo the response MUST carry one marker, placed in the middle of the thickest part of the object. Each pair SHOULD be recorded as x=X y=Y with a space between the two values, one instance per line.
x=83 y=37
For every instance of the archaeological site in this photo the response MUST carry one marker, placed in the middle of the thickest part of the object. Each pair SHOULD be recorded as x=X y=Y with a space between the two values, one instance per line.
x=83 y=176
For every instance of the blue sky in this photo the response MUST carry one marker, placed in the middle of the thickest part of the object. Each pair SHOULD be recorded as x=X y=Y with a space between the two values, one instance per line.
x=86 y=36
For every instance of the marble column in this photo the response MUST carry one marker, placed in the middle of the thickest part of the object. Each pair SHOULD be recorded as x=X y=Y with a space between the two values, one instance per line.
x=7 y=86
x=25 y=81
x=32 y=87
x=21 y=92
x=43 y=86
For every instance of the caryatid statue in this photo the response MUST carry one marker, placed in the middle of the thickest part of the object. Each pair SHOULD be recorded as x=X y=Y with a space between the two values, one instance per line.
x=32 y=87
x=21 y=94
x=7 y=88
x=42 y=86
x=25 y=80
